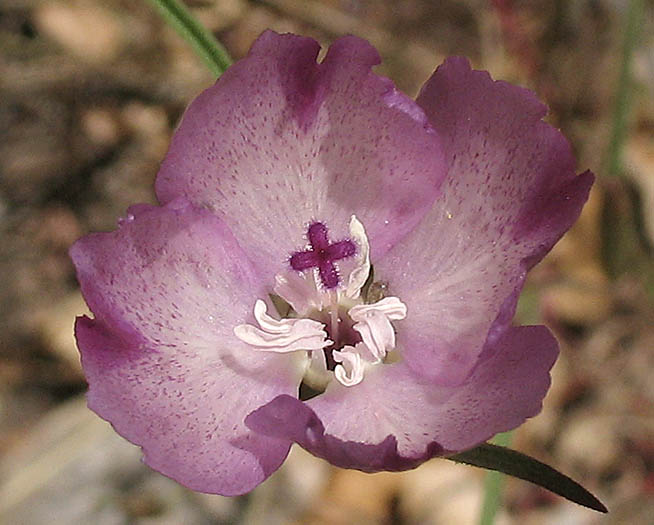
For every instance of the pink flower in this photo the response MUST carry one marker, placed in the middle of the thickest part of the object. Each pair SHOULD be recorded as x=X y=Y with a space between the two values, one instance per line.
x=393 y=237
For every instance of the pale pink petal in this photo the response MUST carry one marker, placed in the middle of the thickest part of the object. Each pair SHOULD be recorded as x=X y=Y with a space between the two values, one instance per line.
x=280 y=141
x=162 y=361
x=394 y=420
x=510 y=193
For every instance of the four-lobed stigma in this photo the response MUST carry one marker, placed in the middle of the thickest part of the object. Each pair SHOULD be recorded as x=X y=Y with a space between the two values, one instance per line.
x=322 y=255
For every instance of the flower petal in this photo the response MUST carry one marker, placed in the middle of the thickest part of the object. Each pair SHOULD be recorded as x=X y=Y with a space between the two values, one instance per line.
x=394 y=420
x=510 y=193
x=162 y=361
x=280 y=141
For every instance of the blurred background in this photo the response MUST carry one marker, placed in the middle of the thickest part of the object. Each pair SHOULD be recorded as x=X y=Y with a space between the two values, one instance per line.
x=90 y=91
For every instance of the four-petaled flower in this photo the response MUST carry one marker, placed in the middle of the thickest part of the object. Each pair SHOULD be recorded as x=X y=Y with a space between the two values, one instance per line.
x=218 y=339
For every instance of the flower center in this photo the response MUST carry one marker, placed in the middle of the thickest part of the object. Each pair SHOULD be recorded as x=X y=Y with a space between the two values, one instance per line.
x=337 y=331
x=339 y=328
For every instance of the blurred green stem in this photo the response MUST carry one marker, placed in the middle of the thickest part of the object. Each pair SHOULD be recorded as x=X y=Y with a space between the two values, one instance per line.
x=202 y=41
x=493 y=486
x=632 y=26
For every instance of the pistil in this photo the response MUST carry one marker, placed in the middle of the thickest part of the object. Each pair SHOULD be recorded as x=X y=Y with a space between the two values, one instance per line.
x=334 y=318
x=322 y=255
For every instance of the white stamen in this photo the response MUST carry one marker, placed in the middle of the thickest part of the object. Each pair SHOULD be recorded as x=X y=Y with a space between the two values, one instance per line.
x=298 y=291
x=374 y=324
x=350 y=372
x=359 y=275
x=287 y=335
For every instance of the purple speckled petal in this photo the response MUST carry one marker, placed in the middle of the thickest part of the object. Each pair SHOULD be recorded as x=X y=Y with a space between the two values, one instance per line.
x=281 y=141
x=394 y=420
x=510 y=193
x=161 y=358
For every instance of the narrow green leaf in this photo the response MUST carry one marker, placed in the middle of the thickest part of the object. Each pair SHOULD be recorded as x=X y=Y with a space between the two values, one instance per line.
x=518 y=465
x=202 y=41
x=493 y=485
x=633 y=22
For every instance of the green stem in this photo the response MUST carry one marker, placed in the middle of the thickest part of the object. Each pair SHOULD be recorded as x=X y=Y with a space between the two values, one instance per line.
x=633 y=22
x=493 y=486
x=202 y=41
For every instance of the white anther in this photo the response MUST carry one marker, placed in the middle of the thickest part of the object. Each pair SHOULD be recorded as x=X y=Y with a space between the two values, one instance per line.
x=373 y=322
x=359 y=274
x=350 y=372
x=287 y=335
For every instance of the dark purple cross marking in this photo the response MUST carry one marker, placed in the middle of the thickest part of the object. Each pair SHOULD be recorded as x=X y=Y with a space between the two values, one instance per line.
x=322 y=255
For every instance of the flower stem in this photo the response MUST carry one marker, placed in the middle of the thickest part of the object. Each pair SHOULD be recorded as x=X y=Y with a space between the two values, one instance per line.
x=203 y=42
x=493 y=486
x=633 y=22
